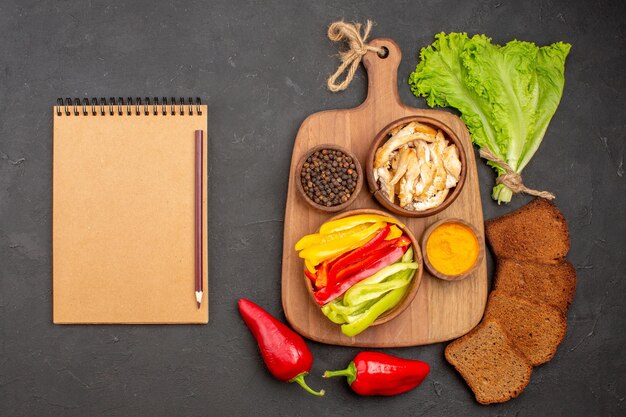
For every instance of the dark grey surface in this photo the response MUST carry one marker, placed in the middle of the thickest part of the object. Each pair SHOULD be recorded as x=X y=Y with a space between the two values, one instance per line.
x=262 y=66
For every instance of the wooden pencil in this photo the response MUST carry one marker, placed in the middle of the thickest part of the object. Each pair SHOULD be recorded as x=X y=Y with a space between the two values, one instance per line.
x=198 y=216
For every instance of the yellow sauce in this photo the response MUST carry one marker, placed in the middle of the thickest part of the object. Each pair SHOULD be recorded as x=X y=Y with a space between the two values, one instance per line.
x=452 y=248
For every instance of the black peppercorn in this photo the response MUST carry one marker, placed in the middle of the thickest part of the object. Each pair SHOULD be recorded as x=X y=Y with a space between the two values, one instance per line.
x=329 y=177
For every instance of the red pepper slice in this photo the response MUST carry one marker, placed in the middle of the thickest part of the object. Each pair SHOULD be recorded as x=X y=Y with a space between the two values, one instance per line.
x=349 y=257
x=322 y=275
x=358 y=254
x=348 y=267
x=309 y=275
x=375 y=373
x=330 y=292
x=349 y=270
x=402 y=241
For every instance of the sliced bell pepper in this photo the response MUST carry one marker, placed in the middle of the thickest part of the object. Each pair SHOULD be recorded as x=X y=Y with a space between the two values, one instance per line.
x=387 y=273
x=359 y=294
x=319 y=238
x=394 y=232
x=390 y=300
x=408 y=255
x=352 y=221
x=322 y=275
x=338 y=258
x=353 y=257
x=332 y=315
x=358 y=260
x=338 y=313
x=310 y=276
x=330 y=292
x=309 y=267
x=344 y=255
x=349 y=313
x=339 y=275
x=318 y=253
x=402 y=241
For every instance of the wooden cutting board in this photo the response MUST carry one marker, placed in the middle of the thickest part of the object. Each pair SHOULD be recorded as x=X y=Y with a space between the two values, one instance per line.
x=441 y=310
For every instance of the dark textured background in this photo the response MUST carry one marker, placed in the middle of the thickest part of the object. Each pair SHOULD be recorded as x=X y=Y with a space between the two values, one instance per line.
x=262 y=67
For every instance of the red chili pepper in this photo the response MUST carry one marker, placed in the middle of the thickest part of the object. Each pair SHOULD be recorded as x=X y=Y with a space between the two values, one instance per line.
x=285 y=354
x=329 y=293
x=374 y=373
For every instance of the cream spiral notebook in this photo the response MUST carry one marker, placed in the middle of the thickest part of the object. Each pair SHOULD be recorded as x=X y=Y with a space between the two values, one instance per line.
x=123 y=211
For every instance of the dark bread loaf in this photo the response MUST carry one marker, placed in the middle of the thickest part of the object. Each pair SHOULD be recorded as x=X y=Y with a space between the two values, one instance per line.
x=553 y=284
x=537 y=231
x=535 y=329
x=492 y=366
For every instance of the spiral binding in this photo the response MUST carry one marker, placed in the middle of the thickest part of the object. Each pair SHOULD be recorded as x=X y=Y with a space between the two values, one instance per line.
x=118 y=106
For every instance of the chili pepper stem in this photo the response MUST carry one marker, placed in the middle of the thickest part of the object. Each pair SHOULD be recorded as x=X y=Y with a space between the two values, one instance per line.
x=300 y=380
x=349 y=372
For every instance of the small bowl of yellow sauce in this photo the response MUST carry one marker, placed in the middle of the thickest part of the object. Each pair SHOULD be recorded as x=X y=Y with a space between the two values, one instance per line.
x=451 y=248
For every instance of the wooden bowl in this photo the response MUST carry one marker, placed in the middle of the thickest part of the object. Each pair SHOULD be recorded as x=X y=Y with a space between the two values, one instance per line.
x=319 y=207
x=414 y=285
x=432 y=269
x=382 y=137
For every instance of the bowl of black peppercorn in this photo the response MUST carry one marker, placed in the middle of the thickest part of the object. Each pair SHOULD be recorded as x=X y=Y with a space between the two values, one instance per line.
x=329 y=177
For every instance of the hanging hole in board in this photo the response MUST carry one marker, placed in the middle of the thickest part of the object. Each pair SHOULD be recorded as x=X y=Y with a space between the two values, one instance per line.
x=384 y=53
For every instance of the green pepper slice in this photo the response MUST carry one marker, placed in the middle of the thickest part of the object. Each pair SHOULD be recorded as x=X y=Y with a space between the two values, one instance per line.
x=389 y=301
x=360 y=294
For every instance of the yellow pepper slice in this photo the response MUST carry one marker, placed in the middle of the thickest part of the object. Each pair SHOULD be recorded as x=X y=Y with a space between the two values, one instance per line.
x=318 y=238
x=309 y=266
x=394 y=232
x=319 y=253
x=352 y=221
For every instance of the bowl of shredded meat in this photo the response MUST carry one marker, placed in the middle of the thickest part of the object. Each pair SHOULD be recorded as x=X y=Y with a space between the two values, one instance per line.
x=416 y=166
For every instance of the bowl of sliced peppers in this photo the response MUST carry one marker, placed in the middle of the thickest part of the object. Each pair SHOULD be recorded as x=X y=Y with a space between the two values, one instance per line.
x=363 y=268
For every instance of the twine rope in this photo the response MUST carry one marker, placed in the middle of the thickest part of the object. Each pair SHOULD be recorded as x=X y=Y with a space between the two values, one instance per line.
x=357 y=47
x=512 y=179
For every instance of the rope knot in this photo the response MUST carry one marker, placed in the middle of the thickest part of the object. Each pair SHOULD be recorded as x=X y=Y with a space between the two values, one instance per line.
x=512 y=179
x=350 y=58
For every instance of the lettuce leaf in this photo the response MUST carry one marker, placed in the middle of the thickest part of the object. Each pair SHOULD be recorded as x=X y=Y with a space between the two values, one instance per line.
x=507 y=94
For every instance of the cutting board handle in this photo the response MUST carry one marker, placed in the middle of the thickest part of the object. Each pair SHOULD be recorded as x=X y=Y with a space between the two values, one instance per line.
x=382 y=73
